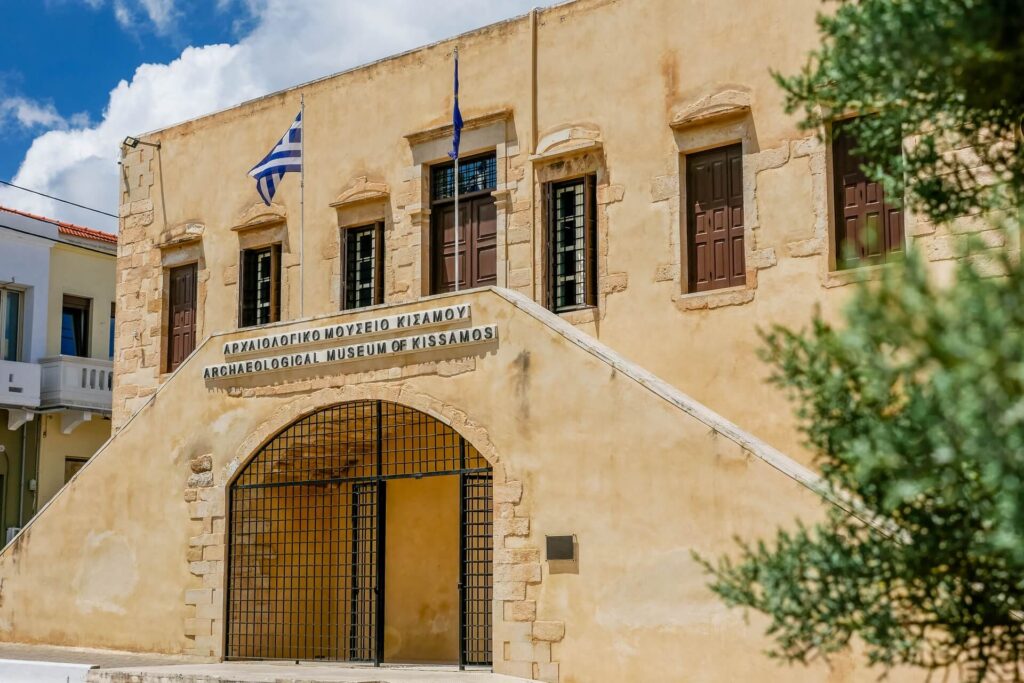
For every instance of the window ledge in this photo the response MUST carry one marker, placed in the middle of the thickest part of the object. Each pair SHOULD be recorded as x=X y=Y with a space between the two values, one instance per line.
x=717 y=298
x=851 y=276
x=581 y=315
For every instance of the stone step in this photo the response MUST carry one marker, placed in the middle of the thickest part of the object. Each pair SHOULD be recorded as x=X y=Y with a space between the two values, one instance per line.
x=266 y=672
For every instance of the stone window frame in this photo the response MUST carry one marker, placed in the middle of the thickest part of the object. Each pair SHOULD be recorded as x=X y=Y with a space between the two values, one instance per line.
x=264 y=227
x=181 y=245
x=823 y=177
x=410 y=245
x=567 y=153
x=363 y=202
x=713 y=121
x=722 y=119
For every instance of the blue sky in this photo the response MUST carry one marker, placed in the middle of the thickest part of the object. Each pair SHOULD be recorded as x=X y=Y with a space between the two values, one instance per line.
x=76 y=76
x=71 y=54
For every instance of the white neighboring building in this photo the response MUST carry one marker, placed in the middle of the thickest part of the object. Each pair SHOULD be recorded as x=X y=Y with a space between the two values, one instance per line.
x=56 y=345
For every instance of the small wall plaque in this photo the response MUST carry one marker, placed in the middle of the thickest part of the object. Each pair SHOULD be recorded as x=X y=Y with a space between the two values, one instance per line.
x=561 y=548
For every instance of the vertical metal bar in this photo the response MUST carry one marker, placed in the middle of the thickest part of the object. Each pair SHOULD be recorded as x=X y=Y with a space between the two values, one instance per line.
x=463 y=531
x=378 y=656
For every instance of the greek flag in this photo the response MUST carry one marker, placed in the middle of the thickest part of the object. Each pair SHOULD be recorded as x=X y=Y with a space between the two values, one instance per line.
x=285 y=157
x=456 y=114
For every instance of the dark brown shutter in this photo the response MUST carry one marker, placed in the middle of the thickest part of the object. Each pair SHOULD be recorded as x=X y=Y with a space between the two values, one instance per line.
x=590 y=240
x=182 y=315
x=343 y=251
x=275 y=283
x=714 y=199
x=246 y=288
x=867 y=229
x=378 y=266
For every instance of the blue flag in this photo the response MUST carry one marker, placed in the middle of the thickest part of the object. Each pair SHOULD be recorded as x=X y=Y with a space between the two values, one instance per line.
x=286 y=157
x=456 y=114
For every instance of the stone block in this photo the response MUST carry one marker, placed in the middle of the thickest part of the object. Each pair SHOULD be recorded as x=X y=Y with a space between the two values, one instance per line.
x=213 y=552
x=516 y=555
x=548 y=631
x=664 y=187
x=509 y=492
x=519 y=652
x=203 y=463
x=520 y=610
x=529 y=573
x=201 y=480
x=519 y=526
x=198 y=627
x=198 y=596
x=194 y=554
x=509 y=590
x=191 y=495
x=546 y=672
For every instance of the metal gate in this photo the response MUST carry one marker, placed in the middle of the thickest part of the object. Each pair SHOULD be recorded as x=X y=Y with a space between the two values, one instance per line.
x=306 y=534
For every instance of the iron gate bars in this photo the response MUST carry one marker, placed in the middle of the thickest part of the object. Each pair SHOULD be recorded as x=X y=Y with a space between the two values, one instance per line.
x=307 y=528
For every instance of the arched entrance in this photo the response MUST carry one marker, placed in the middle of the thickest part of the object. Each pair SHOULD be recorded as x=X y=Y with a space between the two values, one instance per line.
x=361 y=532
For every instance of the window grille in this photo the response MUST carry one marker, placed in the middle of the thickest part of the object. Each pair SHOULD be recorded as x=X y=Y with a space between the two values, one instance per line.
x=476 y=174
x=364 y=271
x=572 y=243
x=260 y=292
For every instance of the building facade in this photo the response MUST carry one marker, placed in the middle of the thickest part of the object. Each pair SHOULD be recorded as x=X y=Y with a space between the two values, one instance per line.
x=56 y=356
x=329 y=447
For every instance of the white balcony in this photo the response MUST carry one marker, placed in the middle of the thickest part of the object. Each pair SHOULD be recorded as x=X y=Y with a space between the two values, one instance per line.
x=77 y=383
x=19 y=384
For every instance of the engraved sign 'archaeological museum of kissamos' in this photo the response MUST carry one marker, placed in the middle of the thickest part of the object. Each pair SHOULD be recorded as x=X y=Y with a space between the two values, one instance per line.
x=403 y=414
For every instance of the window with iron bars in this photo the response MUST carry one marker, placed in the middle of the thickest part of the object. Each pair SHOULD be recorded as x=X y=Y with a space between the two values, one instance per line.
x=572 y=244
x=261 y=286
x=476 y=174
x=363 y=258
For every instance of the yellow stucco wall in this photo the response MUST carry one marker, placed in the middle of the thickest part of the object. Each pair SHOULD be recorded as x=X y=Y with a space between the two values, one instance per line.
x=87 y=274
x=55 y=447
x=421 y=622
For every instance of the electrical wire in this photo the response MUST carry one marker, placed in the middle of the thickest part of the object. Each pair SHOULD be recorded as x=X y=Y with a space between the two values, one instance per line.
x=58 y=199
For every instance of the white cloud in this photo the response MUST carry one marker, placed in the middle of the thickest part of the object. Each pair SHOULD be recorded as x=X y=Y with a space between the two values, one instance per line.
x=291 y=42
x=30 y=113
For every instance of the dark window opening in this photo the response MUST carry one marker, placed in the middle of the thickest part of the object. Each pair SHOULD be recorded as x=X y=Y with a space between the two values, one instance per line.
x=72 y=466
x=868 y=229
x=10 y=324
x=261 y=286
x=363 y=258
x=113 y=327
x=714 y=219
x=572 y=244
x=74 y=326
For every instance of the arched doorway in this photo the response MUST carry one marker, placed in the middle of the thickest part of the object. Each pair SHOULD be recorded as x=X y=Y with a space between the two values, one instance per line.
x=361 y=532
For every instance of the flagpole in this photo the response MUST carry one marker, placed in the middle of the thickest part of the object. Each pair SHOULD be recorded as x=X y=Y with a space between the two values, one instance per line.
x=457 y=224
x=302 y=204
x=457 y=259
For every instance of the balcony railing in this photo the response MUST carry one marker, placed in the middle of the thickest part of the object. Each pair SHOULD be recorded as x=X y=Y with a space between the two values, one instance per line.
x=81 y=383
x=19 y=384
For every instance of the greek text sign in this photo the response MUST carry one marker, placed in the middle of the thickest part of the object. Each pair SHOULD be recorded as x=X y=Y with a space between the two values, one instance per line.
x=342 y=331
x=360 y=351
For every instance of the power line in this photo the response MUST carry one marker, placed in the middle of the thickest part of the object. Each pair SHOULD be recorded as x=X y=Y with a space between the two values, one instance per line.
x=58 y=199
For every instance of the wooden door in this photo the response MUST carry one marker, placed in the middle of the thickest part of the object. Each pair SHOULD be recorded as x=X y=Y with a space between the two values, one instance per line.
x=478 y=245
x=182 y=315
x=868 y=229
x=714 y=198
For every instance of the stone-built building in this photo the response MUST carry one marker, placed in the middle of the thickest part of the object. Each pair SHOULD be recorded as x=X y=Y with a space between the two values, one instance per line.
x=57 y=323
x=327 y=450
